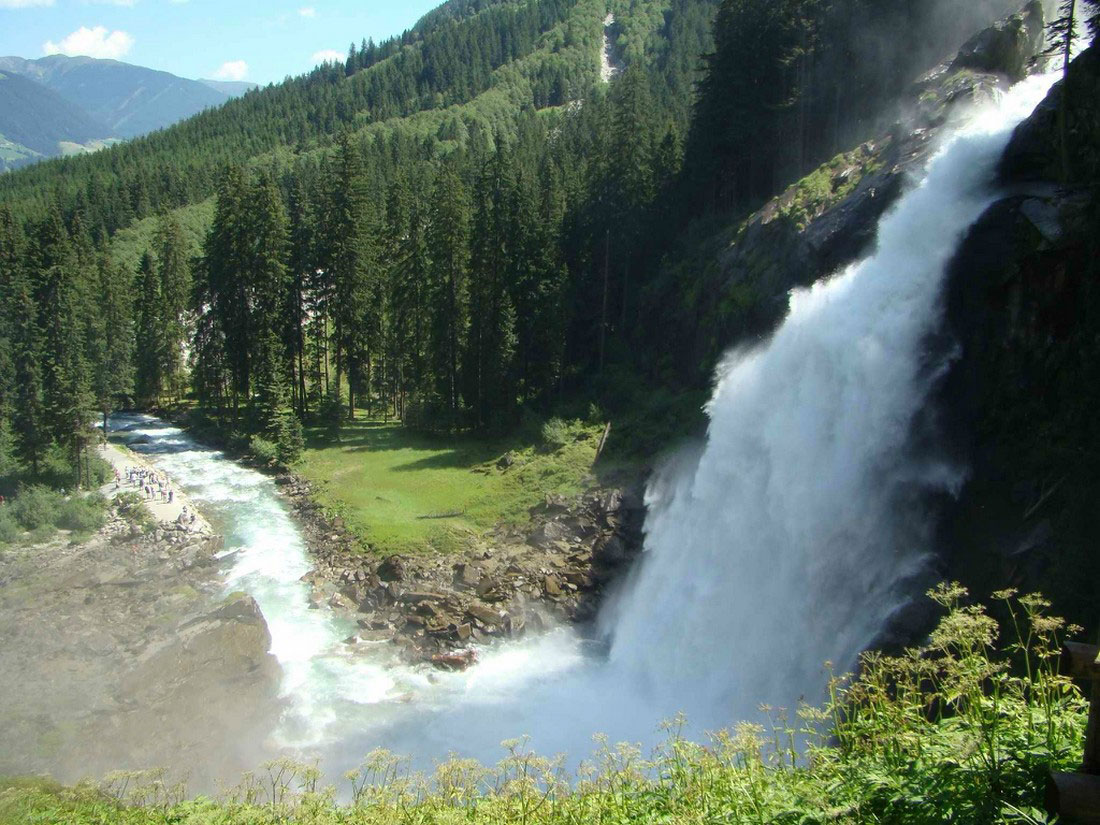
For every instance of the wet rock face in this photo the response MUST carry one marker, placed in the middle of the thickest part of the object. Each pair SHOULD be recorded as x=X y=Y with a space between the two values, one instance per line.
x=513 y=581
x=1007 y=46
x=1020 y=399
x=1035 y=152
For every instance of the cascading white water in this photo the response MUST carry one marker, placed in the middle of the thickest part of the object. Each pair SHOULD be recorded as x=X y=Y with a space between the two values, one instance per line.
x=777 y=546
x=782 y=547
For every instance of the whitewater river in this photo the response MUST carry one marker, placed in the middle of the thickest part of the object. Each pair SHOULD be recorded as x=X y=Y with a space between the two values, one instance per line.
x=782 y=542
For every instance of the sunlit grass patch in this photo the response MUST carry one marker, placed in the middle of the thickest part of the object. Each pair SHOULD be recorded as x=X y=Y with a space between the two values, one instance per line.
x=406 y=491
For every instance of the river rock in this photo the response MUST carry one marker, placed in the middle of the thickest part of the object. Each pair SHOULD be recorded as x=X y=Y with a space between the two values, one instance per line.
x=467 y=575
x=341 y=602
x=485 y=614
x=392 y=569
x=547 y=534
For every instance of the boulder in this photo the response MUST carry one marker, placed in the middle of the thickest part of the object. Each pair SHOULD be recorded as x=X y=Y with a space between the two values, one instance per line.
x=547 y=534
x=392 y=569
x=467 y=575
x=485 y=614
x=341 y=602
x=418 y=596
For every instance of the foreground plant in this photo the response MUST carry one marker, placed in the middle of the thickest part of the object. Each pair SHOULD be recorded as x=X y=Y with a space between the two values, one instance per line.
x=962 y=729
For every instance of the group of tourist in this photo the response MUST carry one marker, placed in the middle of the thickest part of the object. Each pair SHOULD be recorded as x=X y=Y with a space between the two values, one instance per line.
x=155 y=486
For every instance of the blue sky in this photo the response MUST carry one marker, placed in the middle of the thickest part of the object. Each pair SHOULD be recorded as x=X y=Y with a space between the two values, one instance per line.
x=227 y=39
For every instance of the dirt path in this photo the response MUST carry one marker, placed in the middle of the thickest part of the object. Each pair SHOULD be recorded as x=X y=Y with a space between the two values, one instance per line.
x=165 y=512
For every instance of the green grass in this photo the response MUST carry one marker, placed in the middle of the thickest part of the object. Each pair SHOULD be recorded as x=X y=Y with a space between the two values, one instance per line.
x=383 y=479
x=961 y=730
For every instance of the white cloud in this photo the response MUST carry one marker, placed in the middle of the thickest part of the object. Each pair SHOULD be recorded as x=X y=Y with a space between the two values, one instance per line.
x=24 y=4
x=232 y=70
x=128 y=3
x=307 y=11
x=328 y=56
x=94 y=42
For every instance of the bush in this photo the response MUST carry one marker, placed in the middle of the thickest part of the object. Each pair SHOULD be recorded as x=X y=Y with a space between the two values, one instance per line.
x=36 y=507
x=10 y=531
x=101 y=470
x=263 y=450
x=555 y=434
x=132 y=507
x=289 y=441
x=82 y=515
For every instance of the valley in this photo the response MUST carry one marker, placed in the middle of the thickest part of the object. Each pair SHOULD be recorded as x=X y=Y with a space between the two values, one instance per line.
x=664 y=410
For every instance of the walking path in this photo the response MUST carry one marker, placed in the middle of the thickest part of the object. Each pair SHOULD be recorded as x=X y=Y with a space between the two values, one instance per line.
x=165 y=512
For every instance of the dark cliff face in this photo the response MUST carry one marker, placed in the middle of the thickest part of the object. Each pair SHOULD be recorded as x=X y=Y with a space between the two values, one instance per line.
x=1023 y=399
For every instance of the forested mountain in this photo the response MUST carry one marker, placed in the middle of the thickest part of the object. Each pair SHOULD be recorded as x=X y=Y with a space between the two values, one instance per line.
x=35 y=122
x=457 y=224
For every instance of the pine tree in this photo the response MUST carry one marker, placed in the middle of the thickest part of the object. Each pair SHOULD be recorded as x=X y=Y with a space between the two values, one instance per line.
x=174 y=273
x=149 y=346
x=268 y=283
x=228 y=257
x=488 y=368
x=20 y=368
x=30 y=411
x=350 y=260
x=113 y=364
x=449 y=245
x=302 y=266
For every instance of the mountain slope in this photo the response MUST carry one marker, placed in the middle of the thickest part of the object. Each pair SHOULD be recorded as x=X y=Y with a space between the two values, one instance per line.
x=130 y=100
x=230 y=88
x=35 y=120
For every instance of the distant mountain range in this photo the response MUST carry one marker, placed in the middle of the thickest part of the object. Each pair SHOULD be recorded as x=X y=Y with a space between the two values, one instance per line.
x=59 y=105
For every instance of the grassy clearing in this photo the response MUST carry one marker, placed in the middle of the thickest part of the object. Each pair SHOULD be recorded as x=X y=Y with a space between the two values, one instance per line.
x=962 y=730
x=388 y=482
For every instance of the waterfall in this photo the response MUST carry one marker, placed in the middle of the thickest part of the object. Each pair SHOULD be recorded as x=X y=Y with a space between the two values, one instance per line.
x=782 y=542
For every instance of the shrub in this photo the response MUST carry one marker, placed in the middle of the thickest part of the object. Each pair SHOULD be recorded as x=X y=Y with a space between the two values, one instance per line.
x=555 y=434
x=36 y=506
x=81 y=514
x=10 y=531
x=263 y=450
x=101 y=470
x=289 y=441
x=331 y=413
x=132 y=507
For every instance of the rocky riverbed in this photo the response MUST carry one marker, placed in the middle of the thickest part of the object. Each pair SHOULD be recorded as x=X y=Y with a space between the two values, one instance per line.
x=511 y=582
x=123 y=653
